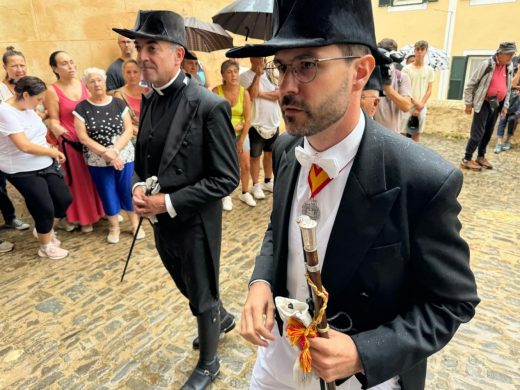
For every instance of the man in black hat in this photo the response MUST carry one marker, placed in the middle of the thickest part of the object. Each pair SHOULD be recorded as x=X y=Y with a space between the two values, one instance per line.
x=185 y=139
x=391 y=256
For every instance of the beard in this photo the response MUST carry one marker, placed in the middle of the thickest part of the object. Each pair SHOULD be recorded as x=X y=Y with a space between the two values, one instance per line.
x=327 y=112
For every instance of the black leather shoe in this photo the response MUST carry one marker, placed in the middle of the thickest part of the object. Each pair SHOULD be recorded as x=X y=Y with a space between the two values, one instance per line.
x=227 y=324
x=202 y=376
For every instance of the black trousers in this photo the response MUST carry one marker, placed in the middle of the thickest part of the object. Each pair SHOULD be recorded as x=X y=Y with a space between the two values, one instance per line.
x=6 y=206
x=46 y=196
x=482 y=128
x=185 y=253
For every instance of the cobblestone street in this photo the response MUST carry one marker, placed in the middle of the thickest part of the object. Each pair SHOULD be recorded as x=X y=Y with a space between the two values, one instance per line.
x=70 y=324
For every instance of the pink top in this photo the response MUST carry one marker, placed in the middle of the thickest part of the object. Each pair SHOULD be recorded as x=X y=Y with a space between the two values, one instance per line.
x=498 y=85
x=66 y=107
x=135 y=104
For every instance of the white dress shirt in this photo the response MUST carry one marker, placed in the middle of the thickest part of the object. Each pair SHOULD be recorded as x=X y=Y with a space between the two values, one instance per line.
x=273 y=369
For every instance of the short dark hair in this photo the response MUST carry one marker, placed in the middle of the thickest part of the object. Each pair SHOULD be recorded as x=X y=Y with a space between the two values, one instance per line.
x=53 y=63
x=352 y=49
x=388 y=44
x=421 y=45
x=30 y=84
x=11 y=52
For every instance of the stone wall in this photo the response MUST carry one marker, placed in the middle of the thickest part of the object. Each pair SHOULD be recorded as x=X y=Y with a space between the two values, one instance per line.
x=83 y=28
x=447 y=117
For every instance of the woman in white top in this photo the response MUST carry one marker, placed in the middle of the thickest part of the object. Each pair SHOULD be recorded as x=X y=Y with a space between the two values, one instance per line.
x=15 y=68
x=31 y=165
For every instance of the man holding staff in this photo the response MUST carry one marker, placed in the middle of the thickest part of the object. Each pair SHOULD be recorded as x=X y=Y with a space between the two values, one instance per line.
x=391 y=256
x=187 y=141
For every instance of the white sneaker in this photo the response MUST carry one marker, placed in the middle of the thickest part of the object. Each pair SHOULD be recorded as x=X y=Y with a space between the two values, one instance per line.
x=113 y=235
x=52 y=251
x=141 y=235
x=257 y=191
x=64 y=225
x=227 y=203
x=17 y=224
x=268 y=186
x=54 y=239
x=247 y=198
x=87 y=228
x=6 y=246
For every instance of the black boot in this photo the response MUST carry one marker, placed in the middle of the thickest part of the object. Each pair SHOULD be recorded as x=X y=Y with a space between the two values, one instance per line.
x=227 y=324
x=208 y=365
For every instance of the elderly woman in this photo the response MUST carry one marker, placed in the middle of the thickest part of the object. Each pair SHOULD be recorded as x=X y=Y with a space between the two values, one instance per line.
x=240 y=102
x=131 y=93
x=86 y=208
x=104 y=126
x=31 y=165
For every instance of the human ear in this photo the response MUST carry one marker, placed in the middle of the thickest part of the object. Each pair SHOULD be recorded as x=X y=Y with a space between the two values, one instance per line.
x=363 y=69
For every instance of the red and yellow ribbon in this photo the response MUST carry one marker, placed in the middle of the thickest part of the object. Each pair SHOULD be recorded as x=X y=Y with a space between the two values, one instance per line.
x=300 y=335
x=317 y=179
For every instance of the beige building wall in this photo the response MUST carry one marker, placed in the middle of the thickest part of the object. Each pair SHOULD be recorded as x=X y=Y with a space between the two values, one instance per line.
x=462 y=27
x=83 y=28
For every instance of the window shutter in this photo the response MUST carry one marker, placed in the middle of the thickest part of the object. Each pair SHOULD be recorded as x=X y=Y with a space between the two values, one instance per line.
x=457 y=74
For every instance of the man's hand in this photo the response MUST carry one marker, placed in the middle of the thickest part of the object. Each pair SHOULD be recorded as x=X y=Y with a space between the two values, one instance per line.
x=336 y=357
x=503 y=113
x=148 y=206
x=468 y=110
x=258 y=315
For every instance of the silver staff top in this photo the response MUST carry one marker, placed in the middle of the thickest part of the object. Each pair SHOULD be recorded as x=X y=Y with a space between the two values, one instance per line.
x=308 y=230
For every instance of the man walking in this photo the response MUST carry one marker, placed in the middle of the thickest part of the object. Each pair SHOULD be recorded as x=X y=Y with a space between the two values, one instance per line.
x=115 y=78
x=421 y=77
x=185 y=139
x=487 y=94
x=390 y=253
x=265 y=123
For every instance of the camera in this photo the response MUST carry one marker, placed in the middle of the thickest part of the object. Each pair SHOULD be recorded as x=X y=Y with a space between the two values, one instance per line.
x=394 y=57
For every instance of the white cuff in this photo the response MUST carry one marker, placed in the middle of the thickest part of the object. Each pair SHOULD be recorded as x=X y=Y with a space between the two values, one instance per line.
x=141 y=183
x=259 y=280
x=169 y=206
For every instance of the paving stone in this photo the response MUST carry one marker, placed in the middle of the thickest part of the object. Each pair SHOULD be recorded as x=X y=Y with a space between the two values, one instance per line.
x=71 y=324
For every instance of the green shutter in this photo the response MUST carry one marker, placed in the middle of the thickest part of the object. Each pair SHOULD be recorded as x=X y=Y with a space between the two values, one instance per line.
x=384 y=3
x=457 y=74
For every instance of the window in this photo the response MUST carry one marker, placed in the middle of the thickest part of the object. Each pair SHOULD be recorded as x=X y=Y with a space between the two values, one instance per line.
x=482 y=2
x=396 y=3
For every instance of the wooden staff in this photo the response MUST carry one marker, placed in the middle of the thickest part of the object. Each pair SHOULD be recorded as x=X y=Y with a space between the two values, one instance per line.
x=310 y=249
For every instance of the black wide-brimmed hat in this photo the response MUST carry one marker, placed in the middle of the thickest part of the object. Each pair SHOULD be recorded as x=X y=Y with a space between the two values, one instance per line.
x=159 y=25
x=313 y=23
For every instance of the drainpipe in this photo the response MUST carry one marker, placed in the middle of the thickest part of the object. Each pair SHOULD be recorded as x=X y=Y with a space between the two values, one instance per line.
x=448 y=45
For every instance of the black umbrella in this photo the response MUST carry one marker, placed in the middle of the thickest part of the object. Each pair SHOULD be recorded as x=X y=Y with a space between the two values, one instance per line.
x=206 y=37
x=251 y=18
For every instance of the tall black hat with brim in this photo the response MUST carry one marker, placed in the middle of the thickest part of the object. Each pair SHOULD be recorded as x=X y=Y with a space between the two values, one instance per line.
x=315 y=23
x=158 y=25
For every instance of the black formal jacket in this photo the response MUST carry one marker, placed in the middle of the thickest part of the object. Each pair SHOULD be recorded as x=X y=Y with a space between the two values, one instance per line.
x=395 y=263
x=199 y=163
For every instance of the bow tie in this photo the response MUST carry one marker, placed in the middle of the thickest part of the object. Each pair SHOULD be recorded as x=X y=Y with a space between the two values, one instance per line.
x=306 y=159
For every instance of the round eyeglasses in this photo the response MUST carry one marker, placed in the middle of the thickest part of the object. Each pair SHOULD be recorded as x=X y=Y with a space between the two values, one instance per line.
x=304 y=70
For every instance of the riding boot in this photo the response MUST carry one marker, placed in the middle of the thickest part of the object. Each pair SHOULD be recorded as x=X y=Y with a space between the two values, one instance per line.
x=227 y=324
x=208 y=366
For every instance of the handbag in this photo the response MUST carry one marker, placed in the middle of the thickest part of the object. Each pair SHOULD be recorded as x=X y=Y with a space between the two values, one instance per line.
x=493 y=102
x=266 y=132
x=413 y=123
